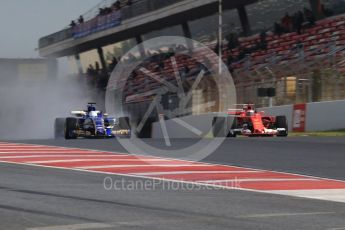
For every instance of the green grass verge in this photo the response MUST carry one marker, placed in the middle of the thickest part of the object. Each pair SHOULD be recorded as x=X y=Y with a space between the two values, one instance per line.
x=333 y=133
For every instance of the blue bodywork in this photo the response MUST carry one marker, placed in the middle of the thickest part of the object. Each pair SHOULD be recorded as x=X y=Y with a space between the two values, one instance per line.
x=95 y=123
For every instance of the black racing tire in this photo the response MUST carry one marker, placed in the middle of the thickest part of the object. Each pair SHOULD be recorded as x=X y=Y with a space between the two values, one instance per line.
x=71 y=125
x=124 y=123
x=146 y=131
x=221 y=127
x=281 y=122
x=234 y=125
x=59 y=128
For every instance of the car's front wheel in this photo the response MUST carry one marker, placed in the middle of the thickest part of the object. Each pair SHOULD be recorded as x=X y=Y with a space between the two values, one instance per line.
x=281 y=122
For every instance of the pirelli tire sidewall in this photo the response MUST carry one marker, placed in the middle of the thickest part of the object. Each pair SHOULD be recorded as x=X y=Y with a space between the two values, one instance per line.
x=222 y=127
x=71 y=125
x=59 y=127
x=281 y=122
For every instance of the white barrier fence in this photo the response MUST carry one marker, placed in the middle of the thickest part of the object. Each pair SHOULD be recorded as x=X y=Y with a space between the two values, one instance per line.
x=319 y=116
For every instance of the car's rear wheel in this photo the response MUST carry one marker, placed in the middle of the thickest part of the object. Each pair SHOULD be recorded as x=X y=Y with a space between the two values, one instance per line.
x=71 y=126
x=281 y=122
x=221 y=127
x=125 y=127
x=124 y=123
x=59 y=126
x=231 y=132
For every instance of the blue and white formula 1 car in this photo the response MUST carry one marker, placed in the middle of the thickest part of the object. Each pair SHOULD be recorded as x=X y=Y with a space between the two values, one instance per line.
x=91 y=123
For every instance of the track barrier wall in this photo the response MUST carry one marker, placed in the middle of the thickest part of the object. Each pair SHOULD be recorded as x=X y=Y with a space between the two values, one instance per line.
x=319 y=116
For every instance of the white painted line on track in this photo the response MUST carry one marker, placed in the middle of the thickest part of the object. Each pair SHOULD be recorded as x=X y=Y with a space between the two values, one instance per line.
x=337 y=195
x=27 y=148
x=52 y=156
x=149 y=165
x=258 y=180
x=50 y=152
x=127 y=175
x=74 y=227
x=96 y=160
x=174 y=180
x=42 y=150
x=270 y=215
x=193 y=172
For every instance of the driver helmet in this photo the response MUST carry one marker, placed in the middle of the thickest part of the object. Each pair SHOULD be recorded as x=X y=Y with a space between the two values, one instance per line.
x=93 y=114
x=250 y=110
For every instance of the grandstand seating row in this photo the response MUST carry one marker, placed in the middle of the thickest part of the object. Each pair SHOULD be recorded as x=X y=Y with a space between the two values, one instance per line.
x=319 y=40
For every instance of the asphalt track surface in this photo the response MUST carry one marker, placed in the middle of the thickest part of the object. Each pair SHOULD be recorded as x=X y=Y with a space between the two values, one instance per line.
x=45 y=198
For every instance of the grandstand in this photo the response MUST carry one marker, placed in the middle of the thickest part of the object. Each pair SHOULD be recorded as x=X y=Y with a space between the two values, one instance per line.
x=303 y=65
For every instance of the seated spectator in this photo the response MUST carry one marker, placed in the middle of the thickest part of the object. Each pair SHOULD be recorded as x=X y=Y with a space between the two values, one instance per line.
x=278 y=30
x=327 y=12
x=100 y=11
x=81 y=19
x=181 y=48
x=107 y=10
x=116 y=5
x=232 y=39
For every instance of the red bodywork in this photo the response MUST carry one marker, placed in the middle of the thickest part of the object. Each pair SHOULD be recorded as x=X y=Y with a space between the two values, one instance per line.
x=251 y=123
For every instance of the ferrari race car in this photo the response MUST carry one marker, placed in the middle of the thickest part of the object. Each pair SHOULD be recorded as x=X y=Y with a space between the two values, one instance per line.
x=248 y=122
x=91 y=123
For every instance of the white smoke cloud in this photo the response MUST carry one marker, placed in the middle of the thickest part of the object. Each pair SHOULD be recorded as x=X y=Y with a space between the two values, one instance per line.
x=28 y=109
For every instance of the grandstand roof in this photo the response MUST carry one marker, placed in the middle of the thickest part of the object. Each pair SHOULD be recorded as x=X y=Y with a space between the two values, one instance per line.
x=177 y=12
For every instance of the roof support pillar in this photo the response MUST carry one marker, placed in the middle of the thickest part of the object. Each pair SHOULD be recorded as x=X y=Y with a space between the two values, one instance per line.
x=102 y=59
x=316 y=8
x=187 y=34
x=78 y=62
x=141 y=47
x=242 y=13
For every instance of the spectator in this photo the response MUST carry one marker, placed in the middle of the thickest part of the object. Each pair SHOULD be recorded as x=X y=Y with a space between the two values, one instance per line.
x=230 y=60
x=232 y=39
x=309 y=16
x=97 y=67
x=116 y=5
x=90 y=70
x=100 y=11
x=81 y=19
x=325 y=11
x=113 y=63
x=278 y=30
x=286 y=23
x=263 y=43
x=180 y=48
x=298 y=21
x=73 y=24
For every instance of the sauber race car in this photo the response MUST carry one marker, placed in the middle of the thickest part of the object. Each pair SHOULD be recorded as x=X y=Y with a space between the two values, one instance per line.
x=248 y=122
x=91 y=123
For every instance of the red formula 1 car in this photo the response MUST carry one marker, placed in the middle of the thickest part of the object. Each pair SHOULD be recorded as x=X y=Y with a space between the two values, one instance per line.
x=248 y=122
